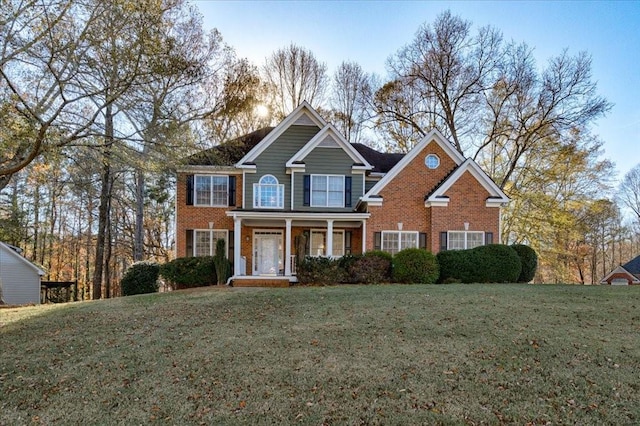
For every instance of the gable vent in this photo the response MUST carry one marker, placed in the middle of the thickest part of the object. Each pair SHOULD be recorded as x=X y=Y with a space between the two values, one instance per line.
x=329 y=142
x=304 y=120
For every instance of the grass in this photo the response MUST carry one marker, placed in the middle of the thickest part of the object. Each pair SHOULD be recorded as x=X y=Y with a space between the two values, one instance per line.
x=422 y=354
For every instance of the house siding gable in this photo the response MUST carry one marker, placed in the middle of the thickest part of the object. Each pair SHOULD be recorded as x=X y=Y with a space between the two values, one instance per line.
x=330 y=161
x=20 y=281
x=273 y=160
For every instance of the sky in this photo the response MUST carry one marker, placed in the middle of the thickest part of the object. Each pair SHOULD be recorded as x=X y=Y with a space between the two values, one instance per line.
x=369 y=32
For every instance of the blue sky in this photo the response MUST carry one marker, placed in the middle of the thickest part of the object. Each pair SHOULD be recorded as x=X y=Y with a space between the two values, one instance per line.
x=368 y=32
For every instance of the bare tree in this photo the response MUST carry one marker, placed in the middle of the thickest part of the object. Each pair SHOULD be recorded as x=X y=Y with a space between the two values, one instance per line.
x=293 y=74
x=350 y=98
x=630 y=190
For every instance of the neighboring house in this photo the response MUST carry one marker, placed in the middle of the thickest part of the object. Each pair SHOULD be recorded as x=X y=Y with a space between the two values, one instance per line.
x=626 y=274
x=264 y=190
x=19 y=278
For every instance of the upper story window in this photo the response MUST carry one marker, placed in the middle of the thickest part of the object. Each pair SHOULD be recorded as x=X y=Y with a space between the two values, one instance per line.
x=268 y=193
x=432 y=161
x=211 y=191
x=327 y=191
x=461 y=240
x=394 y=241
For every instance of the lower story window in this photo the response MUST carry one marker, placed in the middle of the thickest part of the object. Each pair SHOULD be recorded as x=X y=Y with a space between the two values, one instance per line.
x=204 y=241
x=319 y=243
x=394 y=241
x=461 y=240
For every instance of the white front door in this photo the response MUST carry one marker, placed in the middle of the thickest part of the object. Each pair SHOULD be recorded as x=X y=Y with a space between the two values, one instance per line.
x=267 y=253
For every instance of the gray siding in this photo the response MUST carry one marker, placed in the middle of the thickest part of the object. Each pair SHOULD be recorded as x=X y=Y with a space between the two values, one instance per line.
x=20 y=281
x=274 y=159
x=330 y=161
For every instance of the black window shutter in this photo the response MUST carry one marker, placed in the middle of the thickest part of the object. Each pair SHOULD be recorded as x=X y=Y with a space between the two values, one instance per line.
x=347 y=242
x=423 y=240
x=232 y=190
x=443 y=241
x=189 y=252
x=307 y=190
x=488 y=237
x=377 y=240
x=189 y=190
x=347 y=191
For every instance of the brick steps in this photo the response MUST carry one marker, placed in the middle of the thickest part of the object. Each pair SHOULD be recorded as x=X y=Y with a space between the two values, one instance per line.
x=261 y=282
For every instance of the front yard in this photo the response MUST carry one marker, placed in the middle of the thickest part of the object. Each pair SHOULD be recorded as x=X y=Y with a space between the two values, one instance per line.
x=394 y=354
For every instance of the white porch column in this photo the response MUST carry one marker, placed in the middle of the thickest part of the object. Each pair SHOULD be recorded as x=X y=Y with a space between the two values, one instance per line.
x=287 y=248
x=329 y=248
x=364 y=236
x=237 y=241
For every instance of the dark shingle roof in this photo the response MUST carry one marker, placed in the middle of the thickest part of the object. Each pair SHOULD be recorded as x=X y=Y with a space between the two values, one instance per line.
x=229 y=153
x=381 y=162
x=633 y=266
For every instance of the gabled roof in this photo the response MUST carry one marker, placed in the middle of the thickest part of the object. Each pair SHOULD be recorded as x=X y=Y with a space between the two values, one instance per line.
x=496 y=196
x=633 y=266
x=433 y=135
x=12 y=252
x=304 y=113
x=621 y=270
x=230 y=152
x=329 y=131
x=382 y=162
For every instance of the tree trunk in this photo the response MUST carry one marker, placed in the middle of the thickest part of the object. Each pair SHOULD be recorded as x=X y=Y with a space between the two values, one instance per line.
x=138 y=242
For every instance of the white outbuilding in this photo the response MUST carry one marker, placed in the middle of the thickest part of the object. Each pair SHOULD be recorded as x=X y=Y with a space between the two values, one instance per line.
x=19 y=278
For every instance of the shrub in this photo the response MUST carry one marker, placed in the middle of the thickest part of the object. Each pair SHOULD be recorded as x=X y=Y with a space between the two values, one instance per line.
x=493 y=263
x=140 y=278
x=415 y=266
x=319 y=270
x=370 y=268
x=187 y=272
x=529 y=260
x=221 y=263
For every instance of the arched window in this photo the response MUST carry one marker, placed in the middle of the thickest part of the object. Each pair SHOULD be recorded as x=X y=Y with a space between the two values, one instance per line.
x=268 y=193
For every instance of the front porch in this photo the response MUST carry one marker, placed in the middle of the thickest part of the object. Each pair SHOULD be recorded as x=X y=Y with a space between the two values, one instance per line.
x=266 y=245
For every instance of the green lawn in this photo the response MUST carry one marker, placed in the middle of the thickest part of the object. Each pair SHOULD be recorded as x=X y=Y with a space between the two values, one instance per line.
x=394 y=354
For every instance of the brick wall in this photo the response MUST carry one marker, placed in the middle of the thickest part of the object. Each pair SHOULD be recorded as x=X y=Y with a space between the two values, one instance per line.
x=404 y=202
x=197 y=217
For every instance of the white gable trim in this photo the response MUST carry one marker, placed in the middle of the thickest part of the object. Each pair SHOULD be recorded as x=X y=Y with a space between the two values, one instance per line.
x=329 y=131
x=15 y=254
x=435 y=136
x=620 y=270
x=304 y=109
x=497 y=197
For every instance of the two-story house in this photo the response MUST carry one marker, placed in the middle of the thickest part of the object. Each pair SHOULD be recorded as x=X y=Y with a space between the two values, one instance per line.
x=264 y=190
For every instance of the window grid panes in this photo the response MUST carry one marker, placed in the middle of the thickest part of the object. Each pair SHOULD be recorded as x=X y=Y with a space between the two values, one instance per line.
x=327 y=191
x=205 y=241
x=394 y=241
x=268 y=193
x=318 y=243
x=211 y=190
x=461 y=240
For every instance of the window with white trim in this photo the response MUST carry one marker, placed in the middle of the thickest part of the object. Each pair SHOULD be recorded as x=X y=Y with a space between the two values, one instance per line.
x=318 y=243
x=394 y=241
x=268 y=193
x=204 y=241
x=211 y=191
x=461 y=240
x=327 y=190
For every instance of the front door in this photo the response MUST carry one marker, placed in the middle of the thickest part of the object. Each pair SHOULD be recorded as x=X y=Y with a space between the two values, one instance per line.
x=267 y=253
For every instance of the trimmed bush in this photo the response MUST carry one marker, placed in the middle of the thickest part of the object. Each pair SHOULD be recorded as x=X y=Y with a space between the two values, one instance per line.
x=493 y=263
x=188 y=272
x=415 y=266
x=319 y=270
x=371 y=268
x=140 y=278
x=221 y=263
x=529 y=260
